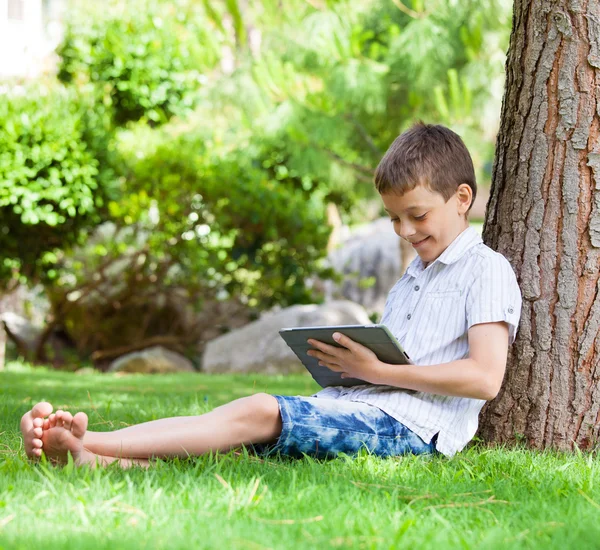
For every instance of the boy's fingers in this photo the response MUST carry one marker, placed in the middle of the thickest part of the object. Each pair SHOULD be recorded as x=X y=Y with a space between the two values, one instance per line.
x=331 y=366
x=326 y=348
x=327 y=360
x=345 y=341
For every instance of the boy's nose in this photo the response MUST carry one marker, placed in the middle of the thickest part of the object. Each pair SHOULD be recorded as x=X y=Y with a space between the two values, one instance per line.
x=406 y=231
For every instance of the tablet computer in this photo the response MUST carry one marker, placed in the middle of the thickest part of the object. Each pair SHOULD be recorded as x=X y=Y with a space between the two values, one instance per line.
x=377 y=338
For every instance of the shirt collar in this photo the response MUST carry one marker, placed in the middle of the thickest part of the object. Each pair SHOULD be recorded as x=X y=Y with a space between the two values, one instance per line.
x=455 y=251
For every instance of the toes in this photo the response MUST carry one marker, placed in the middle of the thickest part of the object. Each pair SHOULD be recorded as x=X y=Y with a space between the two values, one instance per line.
x=79 y=425
x=38 y=432
x=46 y=425
x=38 y=422
x=67 y=420
x=59 y=417
x=41 y=410
x=37 y=443
x=35 y=416
x=52 y=420
x=36 y=453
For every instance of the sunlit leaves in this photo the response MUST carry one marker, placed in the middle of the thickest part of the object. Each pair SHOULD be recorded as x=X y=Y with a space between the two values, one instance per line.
x=144 y=62
x=51 y=178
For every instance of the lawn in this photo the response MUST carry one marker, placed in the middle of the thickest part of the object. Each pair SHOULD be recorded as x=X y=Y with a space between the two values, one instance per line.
x=481 y=498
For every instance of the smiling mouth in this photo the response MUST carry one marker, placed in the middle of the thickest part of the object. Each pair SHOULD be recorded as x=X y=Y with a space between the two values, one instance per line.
x=419 y=243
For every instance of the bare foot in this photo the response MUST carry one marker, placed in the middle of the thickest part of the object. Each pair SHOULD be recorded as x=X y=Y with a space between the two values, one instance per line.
x=63 y=434
x=32 y=428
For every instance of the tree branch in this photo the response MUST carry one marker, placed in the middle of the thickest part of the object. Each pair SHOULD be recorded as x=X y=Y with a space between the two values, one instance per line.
x=364 y=172
x=364 y=134
x=412 y=13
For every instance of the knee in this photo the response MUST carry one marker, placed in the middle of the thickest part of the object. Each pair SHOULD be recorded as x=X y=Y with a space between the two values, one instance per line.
x=263 y=406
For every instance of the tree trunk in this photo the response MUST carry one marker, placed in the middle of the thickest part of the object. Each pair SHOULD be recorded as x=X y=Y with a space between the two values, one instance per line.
x=544 y=216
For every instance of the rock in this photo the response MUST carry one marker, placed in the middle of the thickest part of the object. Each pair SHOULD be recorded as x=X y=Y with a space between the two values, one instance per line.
x=58 y=348
x=258 y=347
x=16 y=304
x=31 y=303
x=22 y=332
x=155 y=360
x=371 y=253
x=85 y=371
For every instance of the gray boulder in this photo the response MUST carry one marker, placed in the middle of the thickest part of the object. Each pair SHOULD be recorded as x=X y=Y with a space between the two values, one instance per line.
x=86 y=371
x=257 y=347
x=31 y=303
x=155 y=360
x=58 y=348
x=22 y=332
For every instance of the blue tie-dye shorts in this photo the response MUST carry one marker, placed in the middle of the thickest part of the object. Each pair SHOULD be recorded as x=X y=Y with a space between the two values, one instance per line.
x=324 y=428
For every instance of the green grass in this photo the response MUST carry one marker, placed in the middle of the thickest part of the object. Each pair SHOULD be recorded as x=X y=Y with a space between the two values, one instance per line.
x=482 y=498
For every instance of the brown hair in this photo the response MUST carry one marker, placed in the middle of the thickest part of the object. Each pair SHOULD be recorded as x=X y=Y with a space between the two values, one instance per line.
x=427 y=154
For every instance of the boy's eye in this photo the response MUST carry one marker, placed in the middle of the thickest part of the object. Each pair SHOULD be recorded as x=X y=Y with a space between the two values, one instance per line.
x=418 y=218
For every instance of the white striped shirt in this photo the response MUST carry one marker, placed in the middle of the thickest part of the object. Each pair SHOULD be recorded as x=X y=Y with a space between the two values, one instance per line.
x=429 y=310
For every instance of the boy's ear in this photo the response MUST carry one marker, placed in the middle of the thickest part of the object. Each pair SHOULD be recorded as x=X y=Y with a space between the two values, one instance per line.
x=464 y=194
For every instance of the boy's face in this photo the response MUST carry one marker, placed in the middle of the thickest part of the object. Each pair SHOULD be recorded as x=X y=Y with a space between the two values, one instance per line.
x=424 y=219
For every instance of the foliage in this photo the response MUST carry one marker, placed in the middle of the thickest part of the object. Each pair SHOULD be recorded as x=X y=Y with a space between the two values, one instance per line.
x=247 y=229
x=337 y=85
x=210 y=156
x=482 y=498
x=145 y=59
x=195 y=228
x=52 y=181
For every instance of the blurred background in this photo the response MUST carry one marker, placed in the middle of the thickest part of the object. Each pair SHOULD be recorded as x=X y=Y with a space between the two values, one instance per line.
x=172 y=172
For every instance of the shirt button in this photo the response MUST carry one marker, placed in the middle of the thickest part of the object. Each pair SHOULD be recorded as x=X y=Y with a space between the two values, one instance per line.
x=409 y=316
x=511 y=310
x=417 y=287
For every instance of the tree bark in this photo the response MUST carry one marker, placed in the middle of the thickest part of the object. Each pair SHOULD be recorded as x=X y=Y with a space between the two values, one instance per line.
x=544 y=216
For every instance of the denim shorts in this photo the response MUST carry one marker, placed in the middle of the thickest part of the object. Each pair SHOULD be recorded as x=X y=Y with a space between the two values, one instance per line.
x=323 y=428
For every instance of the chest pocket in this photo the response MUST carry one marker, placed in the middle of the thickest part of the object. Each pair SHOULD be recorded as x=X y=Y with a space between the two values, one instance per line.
x=443 y=318
x=443 y=295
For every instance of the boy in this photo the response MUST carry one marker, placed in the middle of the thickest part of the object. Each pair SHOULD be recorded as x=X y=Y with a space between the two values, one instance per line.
x=455 y=311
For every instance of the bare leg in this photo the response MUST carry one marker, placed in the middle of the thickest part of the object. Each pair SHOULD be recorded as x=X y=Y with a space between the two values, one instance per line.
x=253 y=419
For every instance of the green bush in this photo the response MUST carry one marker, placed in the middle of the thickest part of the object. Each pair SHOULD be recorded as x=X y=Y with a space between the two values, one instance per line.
x=52 y=183
x=196 y=227
x=227 y=219
x=145 y=60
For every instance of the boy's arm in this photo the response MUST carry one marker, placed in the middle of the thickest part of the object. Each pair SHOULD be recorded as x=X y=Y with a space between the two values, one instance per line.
x=479 y=376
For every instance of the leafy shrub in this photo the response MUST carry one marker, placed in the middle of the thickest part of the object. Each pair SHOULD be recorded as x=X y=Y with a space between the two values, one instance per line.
x=52 y=183
x=198 y=228
x=145 y=60
x=229 y=221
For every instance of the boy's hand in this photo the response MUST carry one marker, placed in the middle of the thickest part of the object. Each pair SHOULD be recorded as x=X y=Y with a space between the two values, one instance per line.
x=353 y=360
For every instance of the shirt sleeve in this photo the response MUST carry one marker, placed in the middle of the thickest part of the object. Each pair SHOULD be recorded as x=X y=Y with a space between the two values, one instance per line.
x=494 y=295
